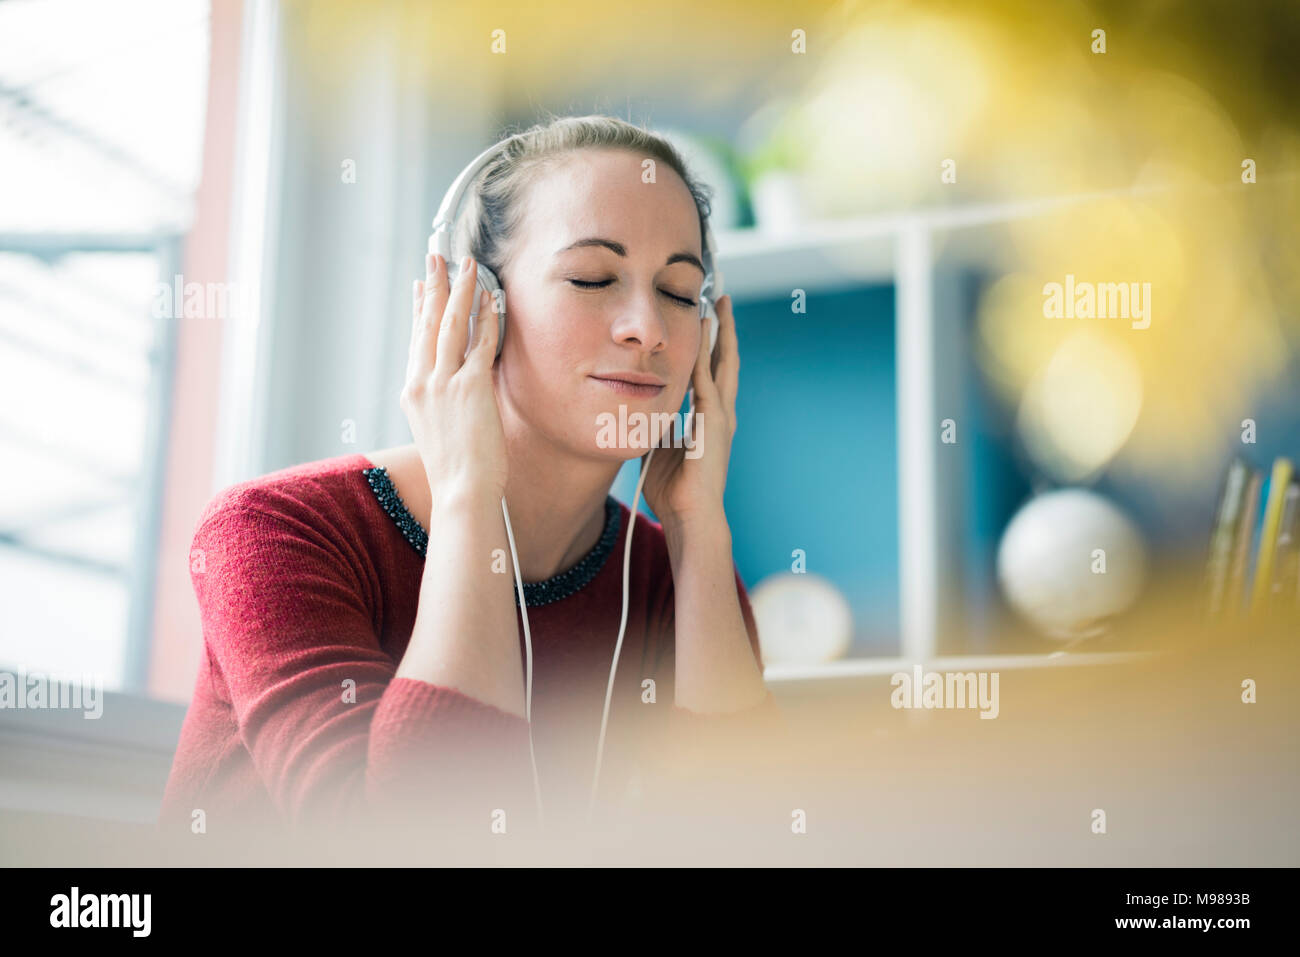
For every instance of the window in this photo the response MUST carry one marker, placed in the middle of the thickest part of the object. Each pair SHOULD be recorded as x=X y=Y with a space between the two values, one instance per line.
x=101 y=121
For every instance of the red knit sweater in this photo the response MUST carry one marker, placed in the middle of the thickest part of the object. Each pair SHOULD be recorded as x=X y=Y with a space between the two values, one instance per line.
x=307 y=590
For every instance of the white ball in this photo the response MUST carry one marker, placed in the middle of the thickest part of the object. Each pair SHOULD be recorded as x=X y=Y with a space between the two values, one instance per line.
x=1068 y=561
x=802 y=619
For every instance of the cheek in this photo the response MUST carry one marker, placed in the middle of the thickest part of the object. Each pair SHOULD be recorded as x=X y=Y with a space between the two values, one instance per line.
x=567 y=338
x=689 y=346
x=579 y=319
x=555 y=338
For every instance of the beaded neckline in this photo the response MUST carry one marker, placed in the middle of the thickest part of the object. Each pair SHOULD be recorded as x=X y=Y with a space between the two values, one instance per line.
x=535 y=593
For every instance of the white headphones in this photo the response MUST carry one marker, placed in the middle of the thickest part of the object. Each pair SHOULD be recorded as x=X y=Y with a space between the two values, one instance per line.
x=486 y=279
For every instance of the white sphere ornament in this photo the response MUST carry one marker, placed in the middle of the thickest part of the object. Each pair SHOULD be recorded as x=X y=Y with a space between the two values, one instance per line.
x=1069 y=561
x=802 y=619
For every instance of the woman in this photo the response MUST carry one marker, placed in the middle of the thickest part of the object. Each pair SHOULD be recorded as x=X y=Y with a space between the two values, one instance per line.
x=364 y=648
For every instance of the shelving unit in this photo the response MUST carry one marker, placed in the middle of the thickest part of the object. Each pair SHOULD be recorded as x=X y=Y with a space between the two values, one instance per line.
x=902 y=250
x=886 y=250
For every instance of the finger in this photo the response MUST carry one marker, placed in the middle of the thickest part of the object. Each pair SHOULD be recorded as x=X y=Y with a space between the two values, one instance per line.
x=485 y=348
x=454 y=329
x=702 y=376
x=727 y=373
x=424 y=340
x=436 y=288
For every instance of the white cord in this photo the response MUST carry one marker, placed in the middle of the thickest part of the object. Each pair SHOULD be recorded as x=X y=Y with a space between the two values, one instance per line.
x=622 y=627
x=528 y=663
x=618 y=645
x=528 y=646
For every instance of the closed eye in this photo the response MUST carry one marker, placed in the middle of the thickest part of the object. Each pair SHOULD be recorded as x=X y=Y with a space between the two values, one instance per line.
x=588 y=284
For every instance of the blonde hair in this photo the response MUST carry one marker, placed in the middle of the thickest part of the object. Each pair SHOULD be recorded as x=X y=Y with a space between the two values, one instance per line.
x=493 y=207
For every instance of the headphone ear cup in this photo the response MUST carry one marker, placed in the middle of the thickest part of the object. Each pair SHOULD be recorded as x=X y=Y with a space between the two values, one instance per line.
x=712 y=313
x=485 y=280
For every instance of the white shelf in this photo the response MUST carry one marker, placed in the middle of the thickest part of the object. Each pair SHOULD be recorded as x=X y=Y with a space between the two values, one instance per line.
x=821 y=256
x=863 y=667
x=839 y=252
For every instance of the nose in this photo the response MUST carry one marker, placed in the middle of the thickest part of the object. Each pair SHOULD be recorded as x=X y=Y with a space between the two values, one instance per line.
x=639 y=323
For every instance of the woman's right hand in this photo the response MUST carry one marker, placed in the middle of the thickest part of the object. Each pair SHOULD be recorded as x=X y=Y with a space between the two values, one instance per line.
x=450 y=403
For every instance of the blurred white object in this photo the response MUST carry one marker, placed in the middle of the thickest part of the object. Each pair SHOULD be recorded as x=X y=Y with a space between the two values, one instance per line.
x=779 y=205
x=802 y=619
x=1051 y=558
x=774 y=146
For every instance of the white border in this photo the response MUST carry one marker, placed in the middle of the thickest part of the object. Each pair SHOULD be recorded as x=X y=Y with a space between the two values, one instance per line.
x=241 y=404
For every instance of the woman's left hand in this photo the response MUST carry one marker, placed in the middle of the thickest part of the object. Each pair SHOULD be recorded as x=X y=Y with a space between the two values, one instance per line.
x=684 y=486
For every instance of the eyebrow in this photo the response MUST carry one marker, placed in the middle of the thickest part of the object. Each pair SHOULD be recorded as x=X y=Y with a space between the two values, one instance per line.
x=621 y=250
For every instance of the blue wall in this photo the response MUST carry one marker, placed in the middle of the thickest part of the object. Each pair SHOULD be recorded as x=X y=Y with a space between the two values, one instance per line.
x=814 y=462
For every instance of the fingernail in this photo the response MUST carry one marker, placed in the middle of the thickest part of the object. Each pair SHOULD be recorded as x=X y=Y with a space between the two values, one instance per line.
x=464 y=263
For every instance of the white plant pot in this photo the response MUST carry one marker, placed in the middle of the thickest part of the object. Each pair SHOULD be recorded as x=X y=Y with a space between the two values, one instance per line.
x=778 y=200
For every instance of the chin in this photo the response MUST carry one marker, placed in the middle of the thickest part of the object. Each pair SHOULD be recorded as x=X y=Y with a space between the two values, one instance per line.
x=626 y=430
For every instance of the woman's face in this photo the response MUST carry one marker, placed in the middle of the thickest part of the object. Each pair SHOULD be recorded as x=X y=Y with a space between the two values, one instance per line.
x=603 y=281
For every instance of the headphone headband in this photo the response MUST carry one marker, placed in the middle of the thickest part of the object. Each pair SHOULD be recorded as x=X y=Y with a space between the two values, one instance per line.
x=445 y=220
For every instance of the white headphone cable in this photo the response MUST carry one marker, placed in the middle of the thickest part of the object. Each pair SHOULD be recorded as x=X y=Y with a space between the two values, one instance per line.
x=528 y=664
x=622 y=627
x=618 y=646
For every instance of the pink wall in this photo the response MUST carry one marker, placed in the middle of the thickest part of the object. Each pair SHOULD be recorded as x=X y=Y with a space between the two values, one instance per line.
x=178 y=639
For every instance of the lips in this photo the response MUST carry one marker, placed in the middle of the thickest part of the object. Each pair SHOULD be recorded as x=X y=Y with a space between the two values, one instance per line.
x=636 y=385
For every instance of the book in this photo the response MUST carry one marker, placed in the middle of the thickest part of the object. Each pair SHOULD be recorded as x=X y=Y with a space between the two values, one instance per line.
x=1218 y=563
x=1238 y=571
x=1284 y=592
x=1278 y=483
